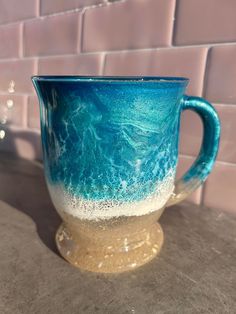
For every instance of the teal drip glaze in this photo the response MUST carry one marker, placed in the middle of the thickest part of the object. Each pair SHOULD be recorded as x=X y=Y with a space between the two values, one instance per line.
x=106 y=139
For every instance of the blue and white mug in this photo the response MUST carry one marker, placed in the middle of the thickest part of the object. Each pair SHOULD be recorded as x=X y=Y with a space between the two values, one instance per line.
x=110 y=149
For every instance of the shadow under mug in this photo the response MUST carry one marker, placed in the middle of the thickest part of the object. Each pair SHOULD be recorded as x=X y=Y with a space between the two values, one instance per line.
x=110 y=149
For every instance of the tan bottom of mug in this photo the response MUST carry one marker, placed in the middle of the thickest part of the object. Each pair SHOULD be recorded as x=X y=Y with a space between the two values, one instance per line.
x=110 y=246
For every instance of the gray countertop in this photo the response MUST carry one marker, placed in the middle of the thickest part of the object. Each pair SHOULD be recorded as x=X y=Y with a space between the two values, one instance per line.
x=195 y=272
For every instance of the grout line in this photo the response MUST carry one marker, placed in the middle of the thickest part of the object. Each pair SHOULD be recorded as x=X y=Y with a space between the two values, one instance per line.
x=187 y=156
x=102 y=4
x=75 y=10
x=203 y=74
x=42 y=17
x=19 y=21
x=36 y=66
x=103 y=63
x=152 y=49
x=4 y=93
x=118 y=51
x=38 y=8
x=18 y=128
x=105 y=51
x=21 y=45
x=203 y=193
x=216 y=162
x=226 y=163
x=80 y=34
x=222 y=104
x=110 y=2
x=94 y=52
x=50 y=56
x=25 y=112
x=36 y=57
x=176 y=6
x=209 y=45
x=79 y=9
x=207 y=67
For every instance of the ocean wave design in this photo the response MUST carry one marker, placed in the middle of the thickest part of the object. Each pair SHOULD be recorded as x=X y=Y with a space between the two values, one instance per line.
x=104 y=142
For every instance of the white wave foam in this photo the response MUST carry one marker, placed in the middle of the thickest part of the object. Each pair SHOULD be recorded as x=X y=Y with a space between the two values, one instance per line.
x=94 y=210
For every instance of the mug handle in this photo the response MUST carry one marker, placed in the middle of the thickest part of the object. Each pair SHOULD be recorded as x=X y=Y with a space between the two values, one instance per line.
x=202 y=166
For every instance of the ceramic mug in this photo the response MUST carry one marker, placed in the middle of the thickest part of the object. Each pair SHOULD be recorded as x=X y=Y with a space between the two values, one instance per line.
x=110 y=150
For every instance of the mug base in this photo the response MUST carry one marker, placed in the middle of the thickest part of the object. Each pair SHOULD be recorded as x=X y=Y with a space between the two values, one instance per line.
x=114 y=254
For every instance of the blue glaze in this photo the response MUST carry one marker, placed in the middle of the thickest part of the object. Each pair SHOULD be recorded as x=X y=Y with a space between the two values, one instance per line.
x=105 y=139
x=211 y=137
x=117 y=138
x=202 y=166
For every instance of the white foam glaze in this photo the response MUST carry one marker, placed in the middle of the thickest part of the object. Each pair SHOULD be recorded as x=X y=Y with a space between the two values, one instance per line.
x=94 y=210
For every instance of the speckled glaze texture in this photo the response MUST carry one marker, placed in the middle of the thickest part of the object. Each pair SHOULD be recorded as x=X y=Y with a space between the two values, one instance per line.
x=110 y=149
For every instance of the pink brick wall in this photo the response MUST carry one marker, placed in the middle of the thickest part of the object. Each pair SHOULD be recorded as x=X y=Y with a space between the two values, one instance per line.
x=193 y=38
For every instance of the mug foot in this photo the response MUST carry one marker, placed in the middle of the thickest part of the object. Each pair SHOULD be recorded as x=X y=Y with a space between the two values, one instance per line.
x=114 y=254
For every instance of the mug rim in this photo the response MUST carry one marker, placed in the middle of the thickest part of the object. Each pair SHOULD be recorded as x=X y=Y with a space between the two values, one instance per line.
x=112 y=79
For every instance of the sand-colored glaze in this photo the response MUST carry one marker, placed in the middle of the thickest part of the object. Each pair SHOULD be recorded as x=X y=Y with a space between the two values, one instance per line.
x=110 y=246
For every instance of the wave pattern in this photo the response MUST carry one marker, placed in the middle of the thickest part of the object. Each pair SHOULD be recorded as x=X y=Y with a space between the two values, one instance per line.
x=109 y=142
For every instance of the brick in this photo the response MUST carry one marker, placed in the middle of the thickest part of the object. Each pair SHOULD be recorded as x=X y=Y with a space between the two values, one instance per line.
x=15 y=115
x=221 y=79
x=188 y=62
x=227 y=151
x=184 y=164
x=18 y=71
x=201 y=21
x=15 y=10
x=23 y=143
x=128 y=25
x=220 y=188
x=52 y=6
x=74 y=65
x=52 y=35
x=10 y=41
x=33 y=116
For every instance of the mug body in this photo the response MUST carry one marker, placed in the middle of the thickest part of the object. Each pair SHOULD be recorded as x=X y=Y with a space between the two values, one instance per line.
x=110 y=149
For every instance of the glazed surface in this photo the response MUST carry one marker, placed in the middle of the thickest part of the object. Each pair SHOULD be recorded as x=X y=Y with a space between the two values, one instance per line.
x=110 y=149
